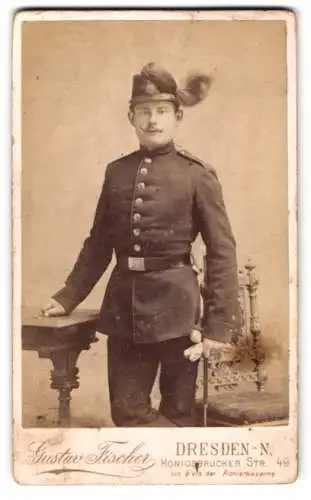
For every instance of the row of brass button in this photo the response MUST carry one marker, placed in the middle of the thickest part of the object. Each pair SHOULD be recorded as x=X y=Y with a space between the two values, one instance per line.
x=139 y=201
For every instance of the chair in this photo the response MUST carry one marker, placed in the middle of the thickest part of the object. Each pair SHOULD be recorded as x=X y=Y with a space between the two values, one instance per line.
x=224 y=367
x=231 y=381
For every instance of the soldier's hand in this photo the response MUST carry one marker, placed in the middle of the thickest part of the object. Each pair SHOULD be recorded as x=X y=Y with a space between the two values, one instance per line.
x=52 y=308
x=212 y=345
x=194 y=352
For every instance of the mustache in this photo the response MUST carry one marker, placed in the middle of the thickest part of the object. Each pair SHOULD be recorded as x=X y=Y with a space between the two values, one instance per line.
x=153 y=129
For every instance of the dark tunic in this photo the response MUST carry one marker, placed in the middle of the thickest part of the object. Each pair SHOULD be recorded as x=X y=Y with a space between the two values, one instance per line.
x=154 y=204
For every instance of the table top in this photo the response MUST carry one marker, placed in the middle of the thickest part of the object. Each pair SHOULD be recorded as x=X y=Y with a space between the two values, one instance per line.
x=31 y=317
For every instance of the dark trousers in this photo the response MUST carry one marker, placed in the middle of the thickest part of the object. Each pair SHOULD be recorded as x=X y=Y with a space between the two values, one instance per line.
x=132 y=369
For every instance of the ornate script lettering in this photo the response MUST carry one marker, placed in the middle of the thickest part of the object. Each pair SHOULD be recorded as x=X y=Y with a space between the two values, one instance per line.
x=117 y=458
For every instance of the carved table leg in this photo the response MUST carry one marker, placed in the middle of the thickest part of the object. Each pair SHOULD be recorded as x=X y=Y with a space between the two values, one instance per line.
x=64 y=378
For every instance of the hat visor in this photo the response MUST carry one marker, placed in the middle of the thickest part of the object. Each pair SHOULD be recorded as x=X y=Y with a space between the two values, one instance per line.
x=153 y=98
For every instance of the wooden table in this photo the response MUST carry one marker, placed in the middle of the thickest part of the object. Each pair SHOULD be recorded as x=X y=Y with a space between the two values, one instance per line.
x=60 y=339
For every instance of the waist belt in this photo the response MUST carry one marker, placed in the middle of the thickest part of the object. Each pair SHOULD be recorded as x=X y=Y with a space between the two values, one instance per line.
x=141 y=264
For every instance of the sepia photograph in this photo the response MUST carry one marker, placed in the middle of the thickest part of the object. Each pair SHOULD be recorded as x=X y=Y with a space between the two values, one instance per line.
x=155 y=249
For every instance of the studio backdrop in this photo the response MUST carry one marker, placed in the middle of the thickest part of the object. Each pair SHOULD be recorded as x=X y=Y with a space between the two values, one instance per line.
x=76 y=85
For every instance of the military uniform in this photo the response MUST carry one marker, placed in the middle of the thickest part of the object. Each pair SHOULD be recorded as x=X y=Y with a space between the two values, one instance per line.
x=152 y=206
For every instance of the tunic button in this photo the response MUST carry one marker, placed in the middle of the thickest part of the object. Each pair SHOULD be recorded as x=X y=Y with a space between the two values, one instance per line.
x=148 y=160
x=141 y=185
x=137 y=217
x=144 y=171
x=139 y=201
x=137 y=248
x=136 y=231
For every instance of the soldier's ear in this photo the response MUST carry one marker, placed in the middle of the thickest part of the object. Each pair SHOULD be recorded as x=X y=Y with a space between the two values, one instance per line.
x=131 y=117
x=179 y=114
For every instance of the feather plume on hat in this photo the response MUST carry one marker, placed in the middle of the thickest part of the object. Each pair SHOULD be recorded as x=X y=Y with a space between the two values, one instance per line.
x=155 y=83
x=195 y=89
x=159 y=76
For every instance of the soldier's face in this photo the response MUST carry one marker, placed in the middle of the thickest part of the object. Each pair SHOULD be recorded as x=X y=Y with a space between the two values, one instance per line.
x=155 y=122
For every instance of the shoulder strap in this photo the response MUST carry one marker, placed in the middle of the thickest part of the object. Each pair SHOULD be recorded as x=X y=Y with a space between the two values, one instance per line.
x=185 y=154
x=124 y=157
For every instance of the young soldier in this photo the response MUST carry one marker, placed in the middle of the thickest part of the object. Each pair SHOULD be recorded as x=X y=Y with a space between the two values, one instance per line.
x=153 y=204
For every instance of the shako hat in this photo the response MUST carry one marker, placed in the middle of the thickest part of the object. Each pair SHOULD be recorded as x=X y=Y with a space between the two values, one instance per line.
x=154 y=83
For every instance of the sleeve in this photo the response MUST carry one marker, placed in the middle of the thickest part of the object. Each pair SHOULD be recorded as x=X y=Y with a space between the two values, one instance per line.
x=222 y=316
x=94 y=257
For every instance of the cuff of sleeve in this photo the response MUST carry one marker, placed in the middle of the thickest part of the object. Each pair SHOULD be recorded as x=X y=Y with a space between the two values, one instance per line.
x=66 y=297
x=220 y=331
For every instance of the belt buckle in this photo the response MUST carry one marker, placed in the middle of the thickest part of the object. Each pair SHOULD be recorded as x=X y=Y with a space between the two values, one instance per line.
x=136 y=264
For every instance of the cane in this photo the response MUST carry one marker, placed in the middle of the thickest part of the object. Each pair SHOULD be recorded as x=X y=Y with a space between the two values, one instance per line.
x=205 y=388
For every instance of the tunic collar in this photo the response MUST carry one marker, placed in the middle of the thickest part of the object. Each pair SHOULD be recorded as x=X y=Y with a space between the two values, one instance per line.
x=161 y=150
